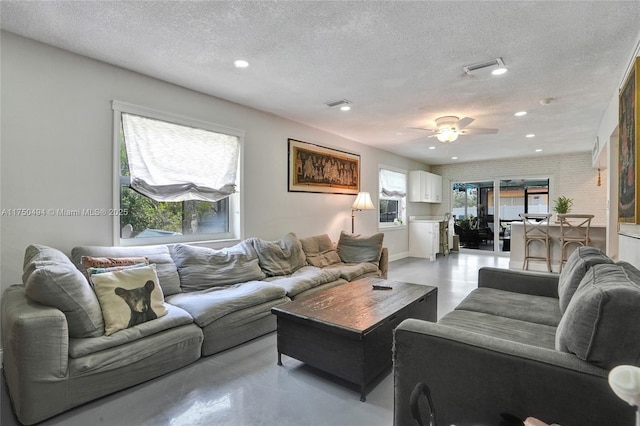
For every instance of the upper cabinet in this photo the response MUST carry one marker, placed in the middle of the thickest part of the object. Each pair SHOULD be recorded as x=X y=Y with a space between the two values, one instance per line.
x=425 y=187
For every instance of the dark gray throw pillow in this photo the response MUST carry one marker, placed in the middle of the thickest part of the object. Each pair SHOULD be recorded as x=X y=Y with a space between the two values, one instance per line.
x=355 y=248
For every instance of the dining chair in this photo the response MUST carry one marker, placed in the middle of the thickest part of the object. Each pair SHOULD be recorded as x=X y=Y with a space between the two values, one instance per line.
x=574 y=229
x=536 y=230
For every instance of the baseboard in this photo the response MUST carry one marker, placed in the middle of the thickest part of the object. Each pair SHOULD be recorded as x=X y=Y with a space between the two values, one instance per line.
x=398 y=256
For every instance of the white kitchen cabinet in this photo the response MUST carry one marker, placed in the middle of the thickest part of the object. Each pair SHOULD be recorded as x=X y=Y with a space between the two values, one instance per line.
x=424 y=238
x=425 y=187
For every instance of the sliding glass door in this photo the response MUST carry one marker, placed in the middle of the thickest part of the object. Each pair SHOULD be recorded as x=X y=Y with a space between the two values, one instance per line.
x=484 y=210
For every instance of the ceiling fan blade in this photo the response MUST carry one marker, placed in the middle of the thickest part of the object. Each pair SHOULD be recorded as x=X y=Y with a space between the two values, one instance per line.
x=476 y=131
x=422 y=128
x=464 y=122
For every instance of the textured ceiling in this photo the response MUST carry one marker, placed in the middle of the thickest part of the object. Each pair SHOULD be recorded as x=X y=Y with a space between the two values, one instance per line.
x=400 y=63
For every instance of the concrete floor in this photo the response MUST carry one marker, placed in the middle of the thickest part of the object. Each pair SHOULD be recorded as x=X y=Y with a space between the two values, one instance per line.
x=244 y=386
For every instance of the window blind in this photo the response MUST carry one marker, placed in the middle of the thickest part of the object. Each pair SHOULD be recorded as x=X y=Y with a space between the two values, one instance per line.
x=172 y=162
x=393 y=184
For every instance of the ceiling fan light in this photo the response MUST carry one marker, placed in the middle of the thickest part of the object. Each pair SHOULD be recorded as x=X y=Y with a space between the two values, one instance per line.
x=448 y=135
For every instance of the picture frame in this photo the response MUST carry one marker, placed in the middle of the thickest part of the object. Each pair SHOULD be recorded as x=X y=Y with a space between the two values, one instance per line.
x=315 y=168
x=628 y=152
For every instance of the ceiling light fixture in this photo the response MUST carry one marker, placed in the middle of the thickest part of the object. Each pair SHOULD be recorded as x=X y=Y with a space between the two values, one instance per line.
x=530 y=135
x=499 y=71
x=520 y=113
x=432 y=147
x=447 y=135
x=538 y=150
x=241 y=63
x=345 y=108
x=454 y=158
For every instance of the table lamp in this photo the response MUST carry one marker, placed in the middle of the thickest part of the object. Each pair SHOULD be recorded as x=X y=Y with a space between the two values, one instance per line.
x=625 y=382
x=362 y=202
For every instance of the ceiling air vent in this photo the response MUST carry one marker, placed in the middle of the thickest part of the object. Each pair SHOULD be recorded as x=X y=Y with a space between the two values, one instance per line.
x=339 y=102
x=481 y=65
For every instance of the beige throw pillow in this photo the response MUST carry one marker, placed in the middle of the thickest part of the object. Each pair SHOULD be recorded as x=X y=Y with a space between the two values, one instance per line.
x=129 y=297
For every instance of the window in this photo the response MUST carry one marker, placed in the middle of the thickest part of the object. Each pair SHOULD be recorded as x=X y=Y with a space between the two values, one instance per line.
x=177 y=178
x=392 y=196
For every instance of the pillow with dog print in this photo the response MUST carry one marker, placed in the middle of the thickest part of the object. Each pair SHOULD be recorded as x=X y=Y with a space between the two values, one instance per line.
x=129 y=297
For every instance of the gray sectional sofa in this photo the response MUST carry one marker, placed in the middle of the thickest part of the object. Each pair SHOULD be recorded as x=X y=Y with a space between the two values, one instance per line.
x=526 y=344
x=57 y=354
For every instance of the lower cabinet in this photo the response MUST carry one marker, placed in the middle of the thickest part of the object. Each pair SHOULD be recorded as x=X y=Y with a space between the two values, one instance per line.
x=424 y=238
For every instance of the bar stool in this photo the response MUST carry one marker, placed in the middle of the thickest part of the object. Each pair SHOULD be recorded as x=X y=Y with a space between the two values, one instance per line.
x=444 y=234
x=536 y=228
x=574 y=229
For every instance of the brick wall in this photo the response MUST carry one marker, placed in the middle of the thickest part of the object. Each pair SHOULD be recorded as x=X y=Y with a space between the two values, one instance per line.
x=571 y=175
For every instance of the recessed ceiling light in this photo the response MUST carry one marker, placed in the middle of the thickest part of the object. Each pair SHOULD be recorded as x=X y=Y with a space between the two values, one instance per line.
x=399 y=133
x=345 y=108
x=454 y=158
x=530 y=135
x=538 y=150
x=241 y=63
x=520 y=113
x=432 y=147
x=499 y=71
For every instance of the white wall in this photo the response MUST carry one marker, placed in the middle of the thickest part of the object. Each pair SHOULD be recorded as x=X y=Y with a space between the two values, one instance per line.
x=570 y=175
x=57 y=153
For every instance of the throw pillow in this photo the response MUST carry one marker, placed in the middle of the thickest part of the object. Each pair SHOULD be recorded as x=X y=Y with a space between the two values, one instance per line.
x=201 y=268
x=602 y=322
x=281 y=257
x=574 y=271
x=320 y=251
x=355 y=248
x=111 y=262
x=129 y=297
x=51 y=279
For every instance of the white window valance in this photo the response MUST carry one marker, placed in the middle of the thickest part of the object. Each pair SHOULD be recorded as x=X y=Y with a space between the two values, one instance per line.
x=172 y=162
x=393 y=184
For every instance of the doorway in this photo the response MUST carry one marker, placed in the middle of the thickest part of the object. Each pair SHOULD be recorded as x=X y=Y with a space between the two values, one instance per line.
x=483 y=210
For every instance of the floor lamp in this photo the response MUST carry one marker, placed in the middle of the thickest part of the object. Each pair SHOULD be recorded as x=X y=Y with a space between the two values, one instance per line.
x=362 y=202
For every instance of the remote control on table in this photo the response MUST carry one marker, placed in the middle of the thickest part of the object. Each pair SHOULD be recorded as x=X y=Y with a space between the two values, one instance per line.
x=381 y=287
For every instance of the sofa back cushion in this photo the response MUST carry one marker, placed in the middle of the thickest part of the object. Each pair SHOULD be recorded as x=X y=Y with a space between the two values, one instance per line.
x=355 y=248
x=320 y=251
x=281 y=257
x=159 y=255
x=201 y=268
x=50 y=278
x=574 y=271
x=602 y=322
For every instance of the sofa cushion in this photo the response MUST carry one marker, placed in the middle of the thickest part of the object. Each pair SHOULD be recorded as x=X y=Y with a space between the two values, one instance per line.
x=525 y=307
x=575 y=269
x=352 y=271
x=158 y=255
x=201 y=267
x=175 y=317
x=602 y=322
x=514 y=330
x=320 y=251
x=305 y=278
x=355 y=248
x=214 y=303
x=51 y=279
x=129 y=297
x=281 y=257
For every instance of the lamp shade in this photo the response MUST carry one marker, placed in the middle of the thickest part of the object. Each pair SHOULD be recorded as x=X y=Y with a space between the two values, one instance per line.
x=363 y=202
x=625 y=382
x=448 y=135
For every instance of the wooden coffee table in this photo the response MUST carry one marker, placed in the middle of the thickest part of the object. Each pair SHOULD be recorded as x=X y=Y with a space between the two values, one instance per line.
x=347 y=330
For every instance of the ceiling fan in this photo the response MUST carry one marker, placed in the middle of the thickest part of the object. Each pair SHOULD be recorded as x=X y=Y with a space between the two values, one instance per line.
x=450 y=127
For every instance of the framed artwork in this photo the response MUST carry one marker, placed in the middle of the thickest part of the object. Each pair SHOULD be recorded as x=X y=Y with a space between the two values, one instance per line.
x=628 y=153
x=315 y=168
